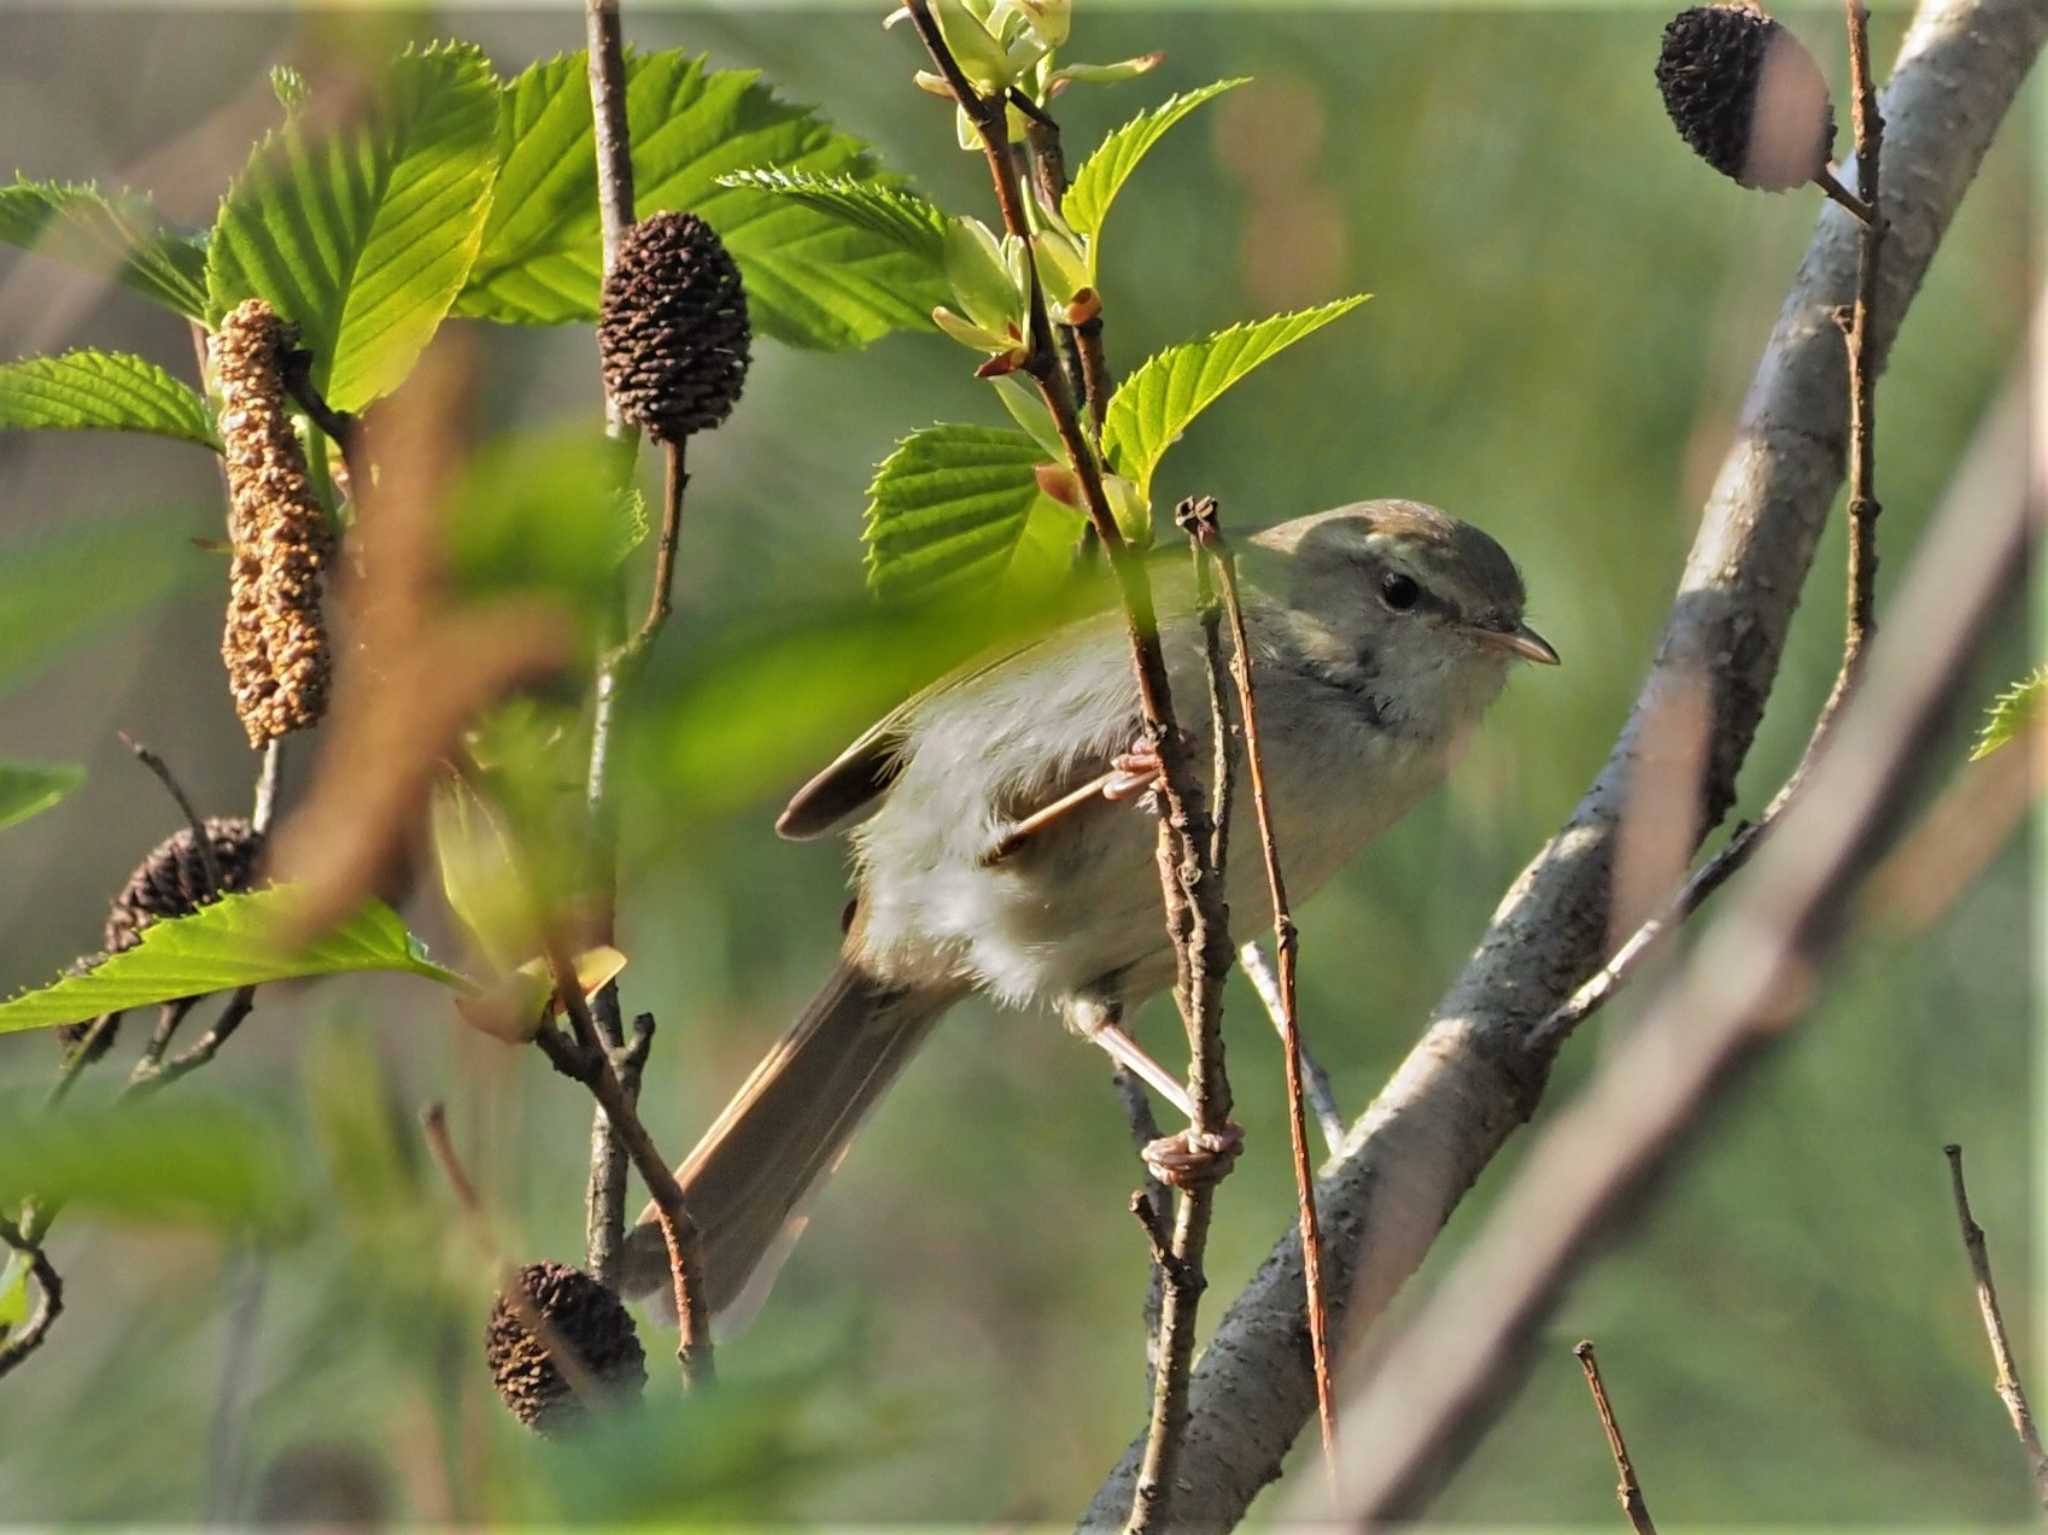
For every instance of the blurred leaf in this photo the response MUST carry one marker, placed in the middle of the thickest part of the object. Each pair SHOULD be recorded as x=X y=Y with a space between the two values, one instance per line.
x=363 y=236
x=538 y=516
x=1155 y=405
x=367 y=1144
x=766 y=704
x=1098 y=181
x=115 y=234
x=106 y=391
x=812 y=279
x=481 y=878
x=171 y=1158
x=289 y=87
x=2015 y=711
x=29 y=788
x=952 y=506
x=239 y=940
x=60 y=588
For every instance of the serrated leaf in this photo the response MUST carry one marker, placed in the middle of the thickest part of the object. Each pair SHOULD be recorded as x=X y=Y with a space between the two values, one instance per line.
x=362 y=236
x=239 y=940
x=1154 y=405
x=29 y=788
x=1096 y=184
x=812 y=279
x=116 y=234
x=2013 y=712
x=168 y=1159
x=950 y=508
x=899 y=216
x=101 y=391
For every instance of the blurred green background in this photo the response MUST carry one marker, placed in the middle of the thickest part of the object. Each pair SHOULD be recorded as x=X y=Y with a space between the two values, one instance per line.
x=1567 y=311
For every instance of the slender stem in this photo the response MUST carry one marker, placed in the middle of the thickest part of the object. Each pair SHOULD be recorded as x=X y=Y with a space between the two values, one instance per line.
x=1321 y=1096
x=590 y=1062
x=1156 y=1202
x=660 y=601
x=1627 y=1490
x=27 y=1338
x=151 y=1077
x=1201 y=520
x=202 y=843
x=2007 y=1382
x=605 y=1195
x=169 y=1016
x=1863 y=503
x=1836 y=192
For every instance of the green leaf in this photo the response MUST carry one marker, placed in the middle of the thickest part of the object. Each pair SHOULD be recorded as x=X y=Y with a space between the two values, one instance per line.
x=952 y=507
x=116 y=234
x=899 y=216
x=173 y=1159
x=2016 y=710
x=103 y=391
x=83 y=580
x=1096 y=184
x=1155 y=404
x=363 y=236
x=813 y=279
x=13 y=1294
x=29 y=788
x=239 y=940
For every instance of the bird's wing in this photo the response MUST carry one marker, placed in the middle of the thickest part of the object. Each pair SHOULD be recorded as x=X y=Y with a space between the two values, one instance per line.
x=859 y=775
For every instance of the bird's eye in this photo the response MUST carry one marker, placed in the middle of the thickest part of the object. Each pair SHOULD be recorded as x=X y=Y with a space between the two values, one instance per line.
x=1399 y=592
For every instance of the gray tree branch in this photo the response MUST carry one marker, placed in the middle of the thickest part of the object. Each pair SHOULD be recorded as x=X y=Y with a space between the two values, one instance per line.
x=1474 y=1078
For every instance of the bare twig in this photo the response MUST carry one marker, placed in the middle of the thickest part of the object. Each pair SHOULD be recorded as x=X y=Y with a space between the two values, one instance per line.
x=605 y=1196
x=168 y=1017
x=1863 y=503
x=202 y=844
x=1315 y=1080
x=345 y=430
x=658 y=603
x=576 y=1373
x=24 y=1340
x=588 y=1061
x=1138 y=1114
x=1200 y=519
x=1471 y=1081
x=1627 y=1490
x=2007 y=1382
x=150 y=1076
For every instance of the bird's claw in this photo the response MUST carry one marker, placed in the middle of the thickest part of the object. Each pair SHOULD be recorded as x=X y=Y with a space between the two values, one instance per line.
x=1191 y=1159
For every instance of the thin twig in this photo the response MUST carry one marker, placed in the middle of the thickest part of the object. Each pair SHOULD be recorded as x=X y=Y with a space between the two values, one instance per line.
x=196 y=1054
x=605 y=1194
x=1863 y=503
x=202 y=843
x=80 y=1056
x=27 y=1338
x=1322 y=1098
x=345 y=430
x=1200 y=520
x=576 y=1373
x=2007 y=1382
x=588 y=1061
x=1627 y=1490
x=168 y=1017
x=1137 y=1106
x=659 y=602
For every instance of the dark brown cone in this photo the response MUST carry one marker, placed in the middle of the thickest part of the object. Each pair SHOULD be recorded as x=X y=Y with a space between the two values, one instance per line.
x=1745 y=94
x=585 y=1317
x=171 y=882
x=672 y=332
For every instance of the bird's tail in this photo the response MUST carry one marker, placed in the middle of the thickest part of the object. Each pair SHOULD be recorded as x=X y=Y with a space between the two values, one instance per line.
x=747 y=1182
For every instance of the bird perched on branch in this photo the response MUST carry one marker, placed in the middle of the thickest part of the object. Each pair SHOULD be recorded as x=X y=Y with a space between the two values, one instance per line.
x=997 y=851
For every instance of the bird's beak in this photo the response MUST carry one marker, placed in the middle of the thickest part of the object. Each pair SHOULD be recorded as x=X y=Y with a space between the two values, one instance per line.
x=1519 y=641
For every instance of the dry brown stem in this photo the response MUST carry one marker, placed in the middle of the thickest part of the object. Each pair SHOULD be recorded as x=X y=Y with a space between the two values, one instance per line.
x=2007 y=1381
x=1627 y=1490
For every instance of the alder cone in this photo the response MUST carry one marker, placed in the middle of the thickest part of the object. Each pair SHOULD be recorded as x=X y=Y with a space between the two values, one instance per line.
x=672 y=331
x=1746 y=96
x=172 y=882
x=583 y=1316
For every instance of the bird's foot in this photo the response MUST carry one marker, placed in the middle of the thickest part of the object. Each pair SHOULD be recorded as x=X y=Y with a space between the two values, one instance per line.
x=1132 y=772
x=1191 y=1159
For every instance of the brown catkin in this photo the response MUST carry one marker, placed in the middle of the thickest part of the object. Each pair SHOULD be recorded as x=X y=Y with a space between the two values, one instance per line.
x=275 y=645
x=583 y=1316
